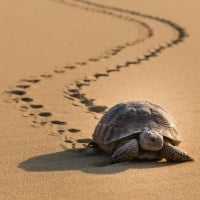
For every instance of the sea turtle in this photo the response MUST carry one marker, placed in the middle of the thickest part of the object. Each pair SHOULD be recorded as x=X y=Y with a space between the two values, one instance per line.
x=138 y=130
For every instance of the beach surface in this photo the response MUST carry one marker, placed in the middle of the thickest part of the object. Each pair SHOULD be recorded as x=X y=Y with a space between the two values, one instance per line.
x=63 y=63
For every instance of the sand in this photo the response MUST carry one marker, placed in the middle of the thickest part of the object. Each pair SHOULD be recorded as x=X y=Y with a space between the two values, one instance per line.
x=63 y=63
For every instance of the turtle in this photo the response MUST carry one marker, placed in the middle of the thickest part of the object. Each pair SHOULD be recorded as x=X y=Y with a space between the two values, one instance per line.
x=138 y=130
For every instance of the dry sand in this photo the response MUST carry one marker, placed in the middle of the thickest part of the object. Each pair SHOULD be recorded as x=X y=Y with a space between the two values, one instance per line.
x=57 y=58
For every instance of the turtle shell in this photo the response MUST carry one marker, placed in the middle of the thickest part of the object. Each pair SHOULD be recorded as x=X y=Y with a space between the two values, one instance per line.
x=126 y=119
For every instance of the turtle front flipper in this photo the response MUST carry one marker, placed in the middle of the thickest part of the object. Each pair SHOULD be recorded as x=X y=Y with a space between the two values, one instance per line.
x=128 y=151
x=174 y=154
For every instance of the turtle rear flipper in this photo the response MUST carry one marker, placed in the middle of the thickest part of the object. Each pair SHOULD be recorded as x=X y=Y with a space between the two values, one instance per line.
x=92 y=149
x=174 y=153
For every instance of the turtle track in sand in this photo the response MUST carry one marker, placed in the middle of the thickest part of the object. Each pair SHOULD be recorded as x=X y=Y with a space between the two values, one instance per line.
x=150 y=44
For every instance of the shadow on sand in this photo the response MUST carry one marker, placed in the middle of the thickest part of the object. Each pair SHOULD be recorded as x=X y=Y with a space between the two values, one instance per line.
x=73 y=160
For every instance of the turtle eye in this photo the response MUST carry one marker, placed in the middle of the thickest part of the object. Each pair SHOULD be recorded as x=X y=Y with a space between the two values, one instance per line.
x=153 y=140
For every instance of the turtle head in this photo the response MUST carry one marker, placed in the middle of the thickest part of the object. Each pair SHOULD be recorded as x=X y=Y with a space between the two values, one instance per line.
x=149 y=140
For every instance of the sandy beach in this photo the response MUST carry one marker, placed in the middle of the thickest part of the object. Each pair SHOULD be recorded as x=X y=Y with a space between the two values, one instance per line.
x=63 y=63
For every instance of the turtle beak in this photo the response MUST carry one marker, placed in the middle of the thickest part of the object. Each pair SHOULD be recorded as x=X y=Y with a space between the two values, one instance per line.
x=151 y=141
x=156 y=142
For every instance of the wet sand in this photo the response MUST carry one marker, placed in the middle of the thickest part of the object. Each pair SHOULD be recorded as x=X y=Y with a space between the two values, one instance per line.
x=63 y=64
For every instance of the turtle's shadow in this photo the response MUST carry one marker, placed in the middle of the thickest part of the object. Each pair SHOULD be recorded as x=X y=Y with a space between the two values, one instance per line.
x=73 y=160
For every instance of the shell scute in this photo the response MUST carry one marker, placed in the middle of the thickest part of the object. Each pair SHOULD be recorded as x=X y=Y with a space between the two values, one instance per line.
x=126 y=119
